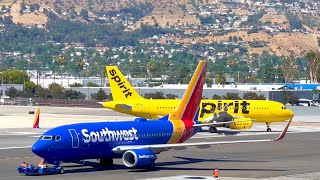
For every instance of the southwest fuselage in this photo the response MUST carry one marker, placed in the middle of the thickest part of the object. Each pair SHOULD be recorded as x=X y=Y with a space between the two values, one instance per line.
x=96 y=140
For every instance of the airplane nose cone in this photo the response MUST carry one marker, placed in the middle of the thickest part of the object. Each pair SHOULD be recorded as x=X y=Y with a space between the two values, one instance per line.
x=290 y=114
x=39 y=149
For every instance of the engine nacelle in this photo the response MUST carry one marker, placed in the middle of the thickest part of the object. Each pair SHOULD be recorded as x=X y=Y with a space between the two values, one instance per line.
x=241 y=123
x=139 y=158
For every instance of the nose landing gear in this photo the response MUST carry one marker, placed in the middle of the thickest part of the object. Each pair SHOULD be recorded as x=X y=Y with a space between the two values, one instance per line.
x=268 y=126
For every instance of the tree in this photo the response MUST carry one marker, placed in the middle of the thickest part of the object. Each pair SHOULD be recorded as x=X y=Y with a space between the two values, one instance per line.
x=313 y=60
x=253 y=96
x=231 y=96
x=71 y=94
x=151 y=68
x=81 y=64
x=215 y=96
x=171 y=96
x=12 y=92
x=289 y=69
x=56 y=91
x=100 y=95
x=92 y=84
x=14 y=76
x=76 y=85
x=84 y=14
x=156 y=95
x=288 y=97
x=220 y=79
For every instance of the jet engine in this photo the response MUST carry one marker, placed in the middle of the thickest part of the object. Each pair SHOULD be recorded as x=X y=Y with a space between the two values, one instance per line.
x=139 y=158
x=240 y=123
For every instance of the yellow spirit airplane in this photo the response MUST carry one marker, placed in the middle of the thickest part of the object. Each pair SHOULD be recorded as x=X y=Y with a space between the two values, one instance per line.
x=240 y=113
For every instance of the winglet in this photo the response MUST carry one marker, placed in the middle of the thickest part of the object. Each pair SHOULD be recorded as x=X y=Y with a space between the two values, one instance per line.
x=283 y=133
x=36 y=119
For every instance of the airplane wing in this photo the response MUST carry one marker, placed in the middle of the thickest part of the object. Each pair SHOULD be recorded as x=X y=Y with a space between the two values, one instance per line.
x=159 y=147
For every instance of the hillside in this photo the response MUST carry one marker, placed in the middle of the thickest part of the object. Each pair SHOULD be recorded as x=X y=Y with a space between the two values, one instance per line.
x=282 y=44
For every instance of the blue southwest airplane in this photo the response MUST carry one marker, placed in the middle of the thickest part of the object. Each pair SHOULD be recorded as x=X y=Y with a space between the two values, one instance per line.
x=137 y=142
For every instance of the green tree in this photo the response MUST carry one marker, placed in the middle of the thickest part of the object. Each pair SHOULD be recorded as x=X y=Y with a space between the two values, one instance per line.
x=76 y=85
x=253 y=96
x=71 y=94
x=231 y=96
x=92 y=84
x=215 y=96
x=313 y=60
x=14 y=76
x=220 y=79
x=100 y=95
x=151 y=68
x=84 y=14
x=56 y=90
x=156 y=95
x=12 y=92
x=171 y=96
x=288 y=97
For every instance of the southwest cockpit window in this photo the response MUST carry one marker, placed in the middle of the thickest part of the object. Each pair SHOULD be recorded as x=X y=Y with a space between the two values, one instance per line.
x=46 y=137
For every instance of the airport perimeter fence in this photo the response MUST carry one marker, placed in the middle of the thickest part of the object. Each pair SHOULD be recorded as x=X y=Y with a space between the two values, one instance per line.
x=51 y=102
x=66 y=103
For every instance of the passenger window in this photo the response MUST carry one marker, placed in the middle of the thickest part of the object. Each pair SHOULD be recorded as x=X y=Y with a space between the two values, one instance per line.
x=57 y=138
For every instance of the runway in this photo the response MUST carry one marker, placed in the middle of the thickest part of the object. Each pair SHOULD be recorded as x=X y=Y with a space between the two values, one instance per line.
x=298 y=153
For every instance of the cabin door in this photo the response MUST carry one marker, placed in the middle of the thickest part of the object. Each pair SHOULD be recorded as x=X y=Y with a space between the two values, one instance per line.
x=74 y=138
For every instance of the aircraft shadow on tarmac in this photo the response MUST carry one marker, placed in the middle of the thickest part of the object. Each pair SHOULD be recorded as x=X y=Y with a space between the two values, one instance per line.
x=89 y=166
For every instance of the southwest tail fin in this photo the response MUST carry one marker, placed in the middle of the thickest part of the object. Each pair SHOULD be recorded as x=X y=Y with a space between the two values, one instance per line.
x=121 y=89
x=189 y=104
x=36 y=119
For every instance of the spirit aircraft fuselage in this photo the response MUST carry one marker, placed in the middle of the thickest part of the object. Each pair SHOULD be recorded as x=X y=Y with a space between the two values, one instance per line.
x=258 y=110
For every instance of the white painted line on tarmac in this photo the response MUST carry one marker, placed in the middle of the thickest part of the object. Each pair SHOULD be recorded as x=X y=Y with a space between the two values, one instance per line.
x=15 y=147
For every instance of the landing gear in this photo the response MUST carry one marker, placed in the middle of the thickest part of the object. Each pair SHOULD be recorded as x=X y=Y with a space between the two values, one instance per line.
x=213 y=130
x=268 y=127
x=106 y=162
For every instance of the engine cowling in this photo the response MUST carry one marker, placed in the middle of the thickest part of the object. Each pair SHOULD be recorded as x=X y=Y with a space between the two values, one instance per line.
x=139 y=158
x=241 y=123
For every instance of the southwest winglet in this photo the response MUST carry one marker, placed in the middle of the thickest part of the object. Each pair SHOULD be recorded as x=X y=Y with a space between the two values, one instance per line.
x=283 y=133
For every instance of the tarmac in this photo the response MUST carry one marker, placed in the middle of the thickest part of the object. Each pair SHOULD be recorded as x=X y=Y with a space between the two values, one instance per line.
x=295 y=157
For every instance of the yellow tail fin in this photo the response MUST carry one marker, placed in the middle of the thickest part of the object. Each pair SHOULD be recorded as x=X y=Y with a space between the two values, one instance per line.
x=121 y=89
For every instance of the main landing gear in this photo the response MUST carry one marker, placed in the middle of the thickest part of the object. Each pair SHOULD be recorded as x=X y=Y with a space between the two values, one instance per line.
x=268 y=126
x=106 y=162
x=213 y=129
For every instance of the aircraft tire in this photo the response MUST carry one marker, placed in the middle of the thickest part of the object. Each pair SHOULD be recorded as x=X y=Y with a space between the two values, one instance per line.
x=213 y=130
x=106 y=162
x=269 y=130
x=61 y=171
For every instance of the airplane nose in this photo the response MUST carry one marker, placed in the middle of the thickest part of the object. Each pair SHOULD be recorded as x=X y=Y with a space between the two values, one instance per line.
x=290 y=114
x=39 y=149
